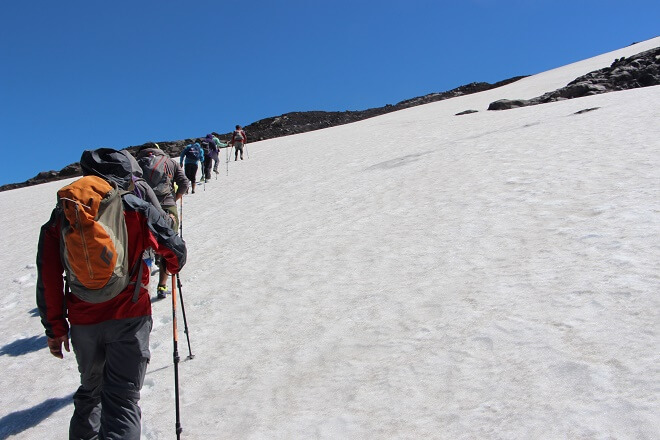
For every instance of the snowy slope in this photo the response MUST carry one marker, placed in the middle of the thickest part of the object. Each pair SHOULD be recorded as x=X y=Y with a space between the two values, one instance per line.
x=415 y=275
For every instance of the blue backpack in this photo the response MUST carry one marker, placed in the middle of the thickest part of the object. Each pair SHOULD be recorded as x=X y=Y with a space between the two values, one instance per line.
x=192 y=153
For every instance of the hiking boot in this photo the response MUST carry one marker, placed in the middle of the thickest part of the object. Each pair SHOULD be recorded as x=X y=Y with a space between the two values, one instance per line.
x=161 y=292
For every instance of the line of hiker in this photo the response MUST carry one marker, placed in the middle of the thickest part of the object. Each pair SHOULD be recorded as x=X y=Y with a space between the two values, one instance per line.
x=105 y=232
x=97 y=236
x=205 y=154
x=107 y=229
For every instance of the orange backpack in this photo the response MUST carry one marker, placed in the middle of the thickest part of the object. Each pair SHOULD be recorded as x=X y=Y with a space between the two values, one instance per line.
x=94 y=239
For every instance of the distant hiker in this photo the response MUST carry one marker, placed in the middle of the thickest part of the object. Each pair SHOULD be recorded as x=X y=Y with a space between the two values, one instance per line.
x=189 y=158
x=161 y=173
x=107 y=313
x=238 y=139
x=216 y=159
x=210 y=152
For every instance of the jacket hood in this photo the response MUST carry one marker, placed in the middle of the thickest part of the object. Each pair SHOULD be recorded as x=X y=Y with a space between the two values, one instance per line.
x=136 y=169
x=109 y=164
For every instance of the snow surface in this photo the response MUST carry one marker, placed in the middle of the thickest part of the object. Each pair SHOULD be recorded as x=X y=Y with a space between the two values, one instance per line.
x=418 y=275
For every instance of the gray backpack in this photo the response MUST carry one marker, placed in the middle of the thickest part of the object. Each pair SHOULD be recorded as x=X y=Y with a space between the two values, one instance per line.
x=154 y=171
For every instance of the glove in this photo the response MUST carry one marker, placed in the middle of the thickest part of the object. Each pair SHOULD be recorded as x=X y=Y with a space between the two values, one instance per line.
x=55 y=346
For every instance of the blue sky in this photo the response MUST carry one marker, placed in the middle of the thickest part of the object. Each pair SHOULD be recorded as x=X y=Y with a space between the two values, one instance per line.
x=85 y=74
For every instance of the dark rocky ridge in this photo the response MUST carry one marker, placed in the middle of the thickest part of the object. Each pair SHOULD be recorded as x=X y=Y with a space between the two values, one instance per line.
x=641 y=70
x=283 y=125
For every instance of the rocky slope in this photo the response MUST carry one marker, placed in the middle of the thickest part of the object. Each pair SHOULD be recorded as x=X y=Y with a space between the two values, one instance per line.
x=641 y=70
x=283 y=125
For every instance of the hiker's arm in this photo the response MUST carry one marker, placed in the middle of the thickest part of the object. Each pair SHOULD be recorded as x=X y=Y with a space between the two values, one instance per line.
x=55 y=346
x=50 y=284
x=165 y=241
x=150 y=196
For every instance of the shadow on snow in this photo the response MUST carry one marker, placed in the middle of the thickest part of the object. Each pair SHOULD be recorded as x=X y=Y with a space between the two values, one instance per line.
x=19 y=421
x=24 y=346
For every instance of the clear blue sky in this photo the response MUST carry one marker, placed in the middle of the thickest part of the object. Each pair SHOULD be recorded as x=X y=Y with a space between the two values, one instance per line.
x=84 y=74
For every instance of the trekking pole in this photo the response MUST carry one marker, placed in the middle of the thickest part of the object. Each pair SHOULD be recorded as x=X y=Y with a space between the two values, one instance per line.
x=181 y=217
x=246 y=151
x=185 y=321
x=178 y=282
x=228 y=151
x=177 y=425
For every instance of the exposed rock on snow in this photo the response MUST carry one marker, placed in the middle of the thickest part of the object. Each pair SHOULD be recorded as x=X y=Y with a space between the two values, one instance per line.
x=641 y=70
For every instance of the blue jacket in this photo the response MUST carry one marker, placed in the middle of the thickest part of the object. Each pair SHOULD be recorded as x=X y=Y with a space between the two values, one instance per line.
x=188 y=159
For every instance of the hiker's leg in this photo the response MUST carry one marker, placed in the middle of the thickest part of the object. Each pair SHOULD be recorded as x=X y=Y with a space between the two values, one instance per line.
x=126 y=363
x=90 y=355
x=207 y=167
x=174 y=213
x=163 y=276
x=191 y=172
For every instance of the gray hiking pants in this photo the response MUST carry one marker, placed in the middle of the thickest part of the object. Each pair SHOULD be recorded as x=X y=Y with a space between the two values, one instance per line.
x=239 y=147
x=112 y=359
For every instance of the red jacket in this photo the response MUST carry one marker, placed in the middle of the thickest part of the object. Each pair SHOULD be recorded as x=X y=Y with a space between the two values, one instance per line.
x=146 y=228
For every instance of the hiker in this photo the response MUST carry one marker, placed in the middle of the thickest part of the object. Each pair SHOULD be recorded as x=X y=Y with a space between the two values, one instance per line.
x=109 y=324
x=210 y=150
x=142 y=188
x=161 y=173
x=216 y=159
x=238 y=139
x=143 y=191
x=191 y=155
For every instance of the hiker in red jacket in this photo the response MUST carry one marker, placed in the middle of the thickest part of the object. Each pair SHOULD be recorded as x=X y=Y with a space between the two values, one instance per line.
x=110 y=337
x=238 y=139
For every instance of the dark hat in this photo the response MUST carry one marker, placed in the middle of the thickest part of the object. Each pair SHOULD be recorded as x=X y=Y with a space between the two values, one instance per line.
x=111 y=165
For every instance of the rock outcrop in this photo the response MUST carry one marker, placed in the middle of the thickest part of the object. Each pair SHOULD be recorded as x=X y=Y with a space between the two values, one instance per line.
x=641 y=70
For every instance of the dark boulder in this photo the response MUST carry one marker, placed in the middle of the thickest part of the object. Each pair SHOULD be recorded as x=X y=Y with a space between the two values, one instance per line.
x=506 y=104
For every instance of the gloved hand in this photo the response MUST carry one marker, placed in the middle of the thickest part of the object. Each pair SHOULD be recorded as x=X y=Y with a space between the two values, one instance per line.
x=55 y=346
